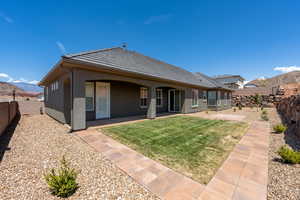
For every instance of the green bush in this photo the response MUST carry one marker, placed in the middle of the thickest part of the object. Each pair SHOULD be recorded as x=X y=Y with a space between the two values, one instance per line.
x=62 y=182
x=288 y=155
x=279 y=128
x=240 y=106
x=264 y=115
x=264 y=112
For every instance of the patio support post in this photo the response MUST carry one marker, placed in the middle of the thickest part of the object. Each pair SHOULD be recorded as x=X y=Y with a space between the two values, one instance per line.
x=78 y=96
x=151 y=112
x=187 y=101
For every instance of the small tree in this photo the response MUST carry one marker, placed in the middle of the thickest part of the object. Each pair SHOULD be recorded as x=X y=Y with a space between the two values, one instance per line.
x=62 y=182
x=257 y=100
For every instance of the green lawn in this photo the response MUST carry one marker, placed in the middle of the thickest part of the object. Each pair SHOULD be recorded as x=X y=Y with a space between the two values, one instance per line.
x=190 y=145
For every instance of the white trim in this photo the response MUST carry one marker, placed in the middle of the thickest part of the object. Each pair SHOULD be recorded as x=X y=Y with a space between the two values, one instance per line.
x=108 y=99
x=160 y=90
x=93 y=96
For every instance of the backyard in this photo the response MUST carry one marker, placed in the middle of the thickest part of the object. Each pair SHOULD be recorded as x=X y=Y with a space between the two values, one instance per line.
x=193 y=146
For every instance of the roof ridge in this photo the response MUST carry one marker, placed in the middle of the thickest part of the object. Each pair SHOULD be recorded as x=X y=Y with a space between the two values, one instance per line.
x=159 y=61
x=89 y=52
x=211 y=80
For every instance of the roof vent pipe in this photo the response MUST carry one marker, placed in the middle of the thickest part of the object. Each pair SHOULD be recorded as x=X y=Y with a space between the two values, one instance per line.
x=124 y=45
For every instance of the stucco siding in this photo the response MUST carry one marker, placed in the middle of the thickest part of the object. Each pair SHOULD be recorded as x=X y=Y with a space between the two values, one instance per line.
x=54 y=102
x=124 y=97
x=125 y=100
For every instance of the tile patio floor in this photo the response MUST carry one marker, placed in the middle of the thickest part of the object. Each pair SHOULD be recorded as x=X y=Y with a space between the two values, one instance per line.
x=243 y=175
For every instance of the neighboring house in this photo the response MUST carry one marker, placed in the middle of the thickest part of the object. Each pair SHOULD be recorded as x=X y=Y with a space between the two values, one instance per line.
x=116 y=82
x=231 y=81
x=250 y=85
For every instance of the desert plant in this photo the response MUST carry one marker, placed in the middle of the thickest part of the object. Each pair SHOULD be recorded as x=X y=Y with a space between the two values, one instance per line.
x=264 y=115
x=234 y=109
x=279 y=128
x=62 y=182
x=288 y=155
x=240 y=106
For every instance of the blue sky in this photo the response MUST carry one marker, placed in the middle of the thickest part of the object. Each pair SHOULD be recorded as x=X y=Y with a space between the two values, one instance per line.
x=249 y=38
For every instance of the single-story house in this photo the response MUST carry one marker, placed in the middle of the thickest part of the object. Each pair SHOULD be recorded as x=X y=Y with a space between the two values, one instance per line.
x=117 y=82
x=231 y=81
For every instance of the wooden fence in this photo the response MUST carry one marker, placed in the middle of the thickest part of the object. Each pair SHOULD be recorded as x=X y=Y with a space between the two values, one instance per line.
x=8 y=111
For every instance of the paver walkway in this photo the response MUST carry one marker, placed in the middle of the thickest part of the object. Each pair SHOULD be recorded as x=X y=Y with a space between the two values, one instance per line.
x=232 y=117
x=243 y=175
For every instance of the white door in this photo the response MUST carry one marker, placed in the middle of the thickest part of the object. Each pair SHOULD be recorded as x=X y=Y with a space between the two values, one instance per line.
x=174 y=100
x=102 y=100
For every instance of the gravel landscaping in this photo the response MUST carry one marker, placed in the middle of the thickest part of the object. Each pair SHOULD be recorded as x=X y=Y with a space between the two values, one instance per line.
x=38 y=143
x=284 y=179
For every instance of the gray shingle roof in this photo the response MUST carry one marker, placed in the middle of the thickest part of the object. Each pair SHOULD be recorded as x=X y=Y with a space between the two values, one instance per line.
x=122 y=59
x=212 y=81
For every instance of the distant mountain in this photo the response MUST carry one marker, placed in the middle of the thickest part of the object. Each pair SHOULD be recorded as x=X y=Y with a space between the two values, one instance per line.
x=7 y=88
x=291 y=77
x=28 y=87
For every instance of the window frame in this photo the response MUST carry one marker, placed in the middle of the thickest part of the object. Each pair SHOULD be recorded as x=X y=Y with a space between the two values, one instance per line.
x=159 y=97
x=195 y=98
x=143 y=97
x=92 y=84
x=204 y=95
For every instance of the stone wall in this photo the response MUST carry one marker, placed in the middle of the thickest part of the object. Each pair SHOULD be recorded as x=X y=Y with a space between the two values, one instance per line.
x=289 y=109
x=248 y=101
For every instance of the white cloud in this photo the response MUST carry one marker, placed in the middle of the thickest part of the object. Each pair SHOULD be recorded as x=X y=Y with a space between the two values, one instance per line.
x=287 y=69
x=158 y=18
x=8 y=78
x=6 y=18
x=3 y=75
x=33 y=82
x=261 y=78
x=61 y=47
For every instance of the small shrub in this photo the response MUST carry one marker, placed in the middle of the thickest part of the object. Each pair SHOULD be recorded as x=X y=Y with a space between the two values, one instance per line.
x=288 y=155
x=234 y=109
x=279 y=128
x=264 y=112
x=240 y=107
x=264 y=115
x=62 y=182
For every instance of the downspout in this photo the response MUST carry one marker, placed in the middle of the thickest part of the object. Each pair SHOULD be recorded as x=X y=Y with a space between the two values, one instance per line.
x=72 y=101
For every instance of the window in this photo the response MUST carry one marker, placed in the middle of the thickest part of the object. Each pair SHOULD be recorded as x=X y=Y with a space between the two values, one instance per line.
x=212 y=98
x=56 y=87
x=143 y=97
x=89 y=96
x=46 y=94
x=204 y=95
x=194 y=97
x=159 y=96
